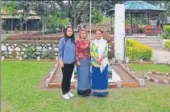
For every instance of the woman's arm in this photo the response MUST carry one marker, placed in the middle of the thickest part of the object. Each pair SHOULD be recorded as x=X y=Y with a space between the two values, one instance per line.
x=61 y=50
x=77 y=52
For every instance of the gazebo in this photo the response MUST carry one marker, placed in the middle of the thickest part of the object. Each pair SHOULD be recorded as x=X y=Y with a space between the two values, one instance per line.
x=141 y=7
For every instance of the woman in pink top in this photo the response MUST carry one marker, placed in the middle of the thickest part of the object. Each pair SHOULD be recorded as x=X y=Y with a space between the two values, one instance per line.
x=83 y=64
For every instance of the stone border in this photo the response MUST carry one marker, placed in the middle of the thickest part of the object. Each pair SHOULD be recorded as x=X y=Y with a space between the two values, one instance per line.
x=155 y=80
x=141 y=81
x=48 y=60
x=137 y=62
x=119 y=84
x=51 y=74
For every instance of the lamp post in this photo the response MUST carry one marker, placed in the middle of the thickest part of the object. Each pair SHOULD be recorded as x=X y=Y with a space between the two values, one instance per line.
x=90 y=18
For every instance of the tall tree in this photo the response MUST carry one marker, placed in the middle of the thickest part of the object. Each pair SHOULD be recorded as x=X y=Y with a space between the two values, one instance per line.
x=74 y=10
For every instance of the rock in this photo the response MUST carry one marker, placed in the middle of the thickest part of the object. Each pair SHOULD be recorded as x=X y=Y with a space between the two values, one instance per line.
x=10 y=49
x=166 y=74
x=20 y=58
x=156 y=81
x=132 y=72
x=38 y=58
x=49 y=48
x=17 y=49
x=149 y=72
x=141 y=61
x=2 y=58
x=55 y=54
x=17 y=57
x=38 y=53
x=153 y=72
x=22 y=53
x=56 y=49
x=24 y=49
x=158 y=73
x=119 y=84
x=127 y=60
x=44 y=49
x=3 y=48
x=17 y=53
x=166 y=82
x=141 y=82
x=39 y=48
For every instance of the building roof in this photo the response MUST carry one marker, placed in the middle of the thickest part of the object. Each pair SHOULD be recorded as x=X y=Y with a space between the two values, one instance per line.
x=139 y=6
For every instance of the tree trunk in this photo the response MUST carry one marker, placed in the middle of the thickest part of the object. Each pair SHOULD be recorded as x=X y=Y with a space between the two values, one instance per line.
x=74 y=23
x=42 y=26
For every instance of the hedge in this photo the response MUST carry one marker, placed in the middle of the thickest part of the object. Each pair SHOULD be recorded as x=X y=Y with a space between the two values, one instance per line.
x=136 y=50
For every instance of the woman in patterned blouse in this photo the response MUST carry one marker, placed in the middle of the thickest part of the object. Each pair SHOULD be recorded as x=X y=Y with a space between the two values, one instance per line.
x=83 y=64
x=99 y=51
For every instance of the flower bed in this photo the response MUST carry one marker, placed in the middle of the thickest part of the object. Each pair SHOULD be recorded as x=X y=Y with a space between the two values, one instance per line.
x=152 y=30
x=35 y=36
x=136 y=50
x=158 y=77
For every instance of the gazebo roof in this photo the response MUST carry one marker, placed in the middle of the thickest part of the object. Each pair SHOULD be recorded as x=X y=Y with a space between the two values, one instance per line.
x=139 y=6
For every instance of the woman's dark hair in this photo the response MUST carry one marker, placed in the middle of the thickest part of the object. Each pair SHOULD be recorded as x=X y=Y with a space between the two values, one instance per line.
x=66 y=37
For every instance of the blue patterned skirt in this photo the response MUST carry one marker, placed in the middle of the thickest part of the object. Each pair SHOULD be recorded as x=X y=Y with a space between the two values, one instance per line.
x=83 y=77
x=100 y=81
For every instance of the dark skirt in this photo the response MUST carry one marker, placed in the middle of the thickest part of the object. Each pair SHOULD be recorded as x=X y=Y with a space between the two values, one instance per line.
x=100 y=81
x=83 y=77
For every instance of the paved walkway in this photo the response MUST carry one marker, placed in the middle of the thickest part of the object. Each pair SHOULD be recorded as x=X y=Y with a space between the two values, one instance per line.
x=161 y=56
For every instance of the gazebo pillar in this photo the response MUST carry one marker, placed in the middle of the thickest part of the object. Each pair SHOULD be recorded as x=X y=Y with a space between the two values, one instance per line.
x=147 y=17
x=131 y=23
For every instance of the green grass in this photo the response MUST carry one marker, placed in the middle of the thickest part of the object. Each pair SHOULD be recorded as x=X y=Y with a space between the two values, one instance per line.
x=150 y=67
x=21 y=93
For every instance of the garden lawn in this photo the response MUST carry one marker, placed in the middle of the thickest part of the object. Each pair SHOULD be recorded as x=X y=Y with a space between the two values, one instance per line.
x=150 y=67
x=21 y=93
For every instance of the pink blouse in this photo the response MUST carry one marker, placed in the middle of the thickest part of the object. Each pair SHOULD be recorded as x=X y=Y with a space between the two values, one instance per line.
x=82 y=49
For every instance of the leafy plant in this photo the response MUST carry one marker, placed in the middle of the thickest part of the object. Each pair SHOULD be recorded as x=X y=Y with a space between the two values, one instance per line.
x=30 y=53
x=166 y=34
x=47 y=54
x=136 y=50
x=167 y=45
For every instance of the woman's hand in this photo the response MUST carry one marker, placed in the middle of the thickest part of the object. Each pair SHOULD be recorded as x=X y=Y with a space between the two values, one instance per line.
x=61 y=64
x=101 y=58
x=78 y=63
x=98 y=61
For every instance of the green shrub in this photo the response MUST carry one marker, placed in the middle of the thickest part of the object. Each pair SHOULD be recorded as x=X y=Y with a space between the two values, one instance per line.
x=30 y=53
x=167 y=45
x=47 y=54
x=166 y=32
x=136 y=50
